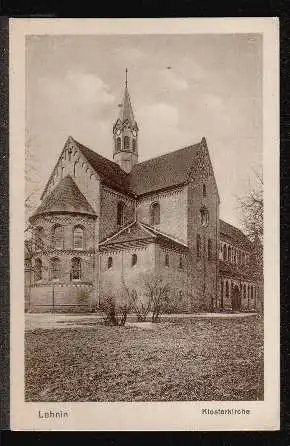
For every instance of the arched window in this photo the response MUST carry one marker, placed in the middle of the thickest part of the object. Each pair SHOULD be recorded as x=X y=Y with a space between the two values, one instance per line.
x=62 y=172
x=110 y=262
x=76 y=269
x=155 y=214
x=69 y=154
x=120 y=213
x=180 y=262
x=118 y=144
x=134 y=144
x=75 y=169
x=198 y=246
x=227 y=289
x=209 y=249
x=57 y=237
x=229 y=253
x=166 y=259
x=204 y=190
x=204 y=217
x=39 y=238
x=126 y=143
x=78 y=238
x=245 y=291
x=54 y=269
x=38 y=270
x=225 y=252
x=134 y=260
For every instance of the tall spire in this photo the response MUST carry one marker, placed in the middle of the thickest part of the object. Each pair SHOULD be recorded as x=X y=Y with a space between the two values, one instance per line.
x=126 y=110
x=126 y=83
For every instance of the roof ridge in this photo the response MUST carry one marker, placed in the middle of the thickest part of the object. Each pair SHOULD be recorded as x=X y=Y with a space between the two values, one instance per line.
x=110 y=237
x=168 y=153
x=163 y=234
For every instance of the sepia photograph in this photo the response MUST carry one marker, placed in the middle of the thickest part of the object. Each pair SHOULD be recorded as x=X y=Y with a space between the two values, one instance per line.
x=143 y=232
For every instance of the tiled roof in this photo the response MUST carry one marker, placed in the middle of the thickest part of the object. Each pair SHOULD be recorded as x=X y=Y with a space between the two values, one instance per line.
x=65 y=197
x=235 y=235
x=164 y=171
x=110 y=173
x=138 y=231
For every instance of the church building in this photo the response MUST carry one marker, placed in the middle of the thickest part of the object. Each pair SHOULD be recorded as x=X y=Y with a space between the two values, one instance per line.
x=104 y=226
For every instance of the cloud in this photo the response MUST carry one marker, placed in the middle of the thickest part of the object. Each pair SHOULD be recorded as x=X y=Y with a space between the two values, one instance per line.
x=172 y=80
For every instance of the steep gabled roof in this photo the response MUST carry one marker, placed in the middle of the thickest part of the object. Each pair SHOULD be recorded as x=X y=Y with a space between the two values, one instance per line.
x=138 y=231
x=235 y=234
x=109 y=172
x=65 y=197
x=164 y=171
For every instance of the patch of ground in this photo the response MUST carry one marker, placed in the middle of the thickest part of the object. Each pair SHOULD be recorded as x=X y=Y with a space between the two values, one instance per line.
x=181 y=359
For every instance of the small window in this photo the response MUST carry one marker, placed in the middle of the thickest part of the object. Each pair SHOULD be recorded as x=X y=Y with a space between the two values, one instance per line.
x=180 y=295
x=118 y=144
x=62 y=172
x=209 y=249
x=78 y=238
x=120 y=213
x=166 y=259
x=180 y=262
x=225 y=252
x=198 y=246
x=75 y=169
x=69 y=154
x=110 y=262
x=54 y=269
x=126 y=143
x=38 y=270
x=134 y=260
x=76 y=268
x=57 y=237
x=204 y=217
x=229 y=253
x=227 y=289
x=134 y=144
x=204 y=190
x=155 y=214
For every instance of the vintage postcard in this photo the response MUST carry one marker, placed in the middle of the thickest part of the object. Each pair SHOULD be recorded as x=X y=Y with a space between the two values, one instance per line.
x=144 y=224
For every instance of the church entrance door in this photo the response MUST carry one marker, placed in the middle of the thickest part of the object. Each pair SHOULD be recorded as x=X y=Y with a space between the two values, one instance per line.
x=236 y=298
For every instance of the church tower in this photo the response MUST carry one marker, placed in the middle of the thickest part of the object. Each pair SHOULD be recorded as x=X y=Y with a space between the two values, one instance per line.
x=125 y=134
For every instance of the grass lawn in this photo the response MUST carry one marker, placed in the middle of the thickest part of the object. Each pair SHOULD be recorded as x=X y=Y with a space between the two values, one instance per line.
x=177 y=360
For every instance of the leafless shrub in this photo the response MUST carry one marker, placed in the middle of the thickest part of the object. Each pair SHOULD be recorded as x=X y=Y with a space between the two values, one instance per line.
x=115 y=313
x=140 y=308
x=157 y=292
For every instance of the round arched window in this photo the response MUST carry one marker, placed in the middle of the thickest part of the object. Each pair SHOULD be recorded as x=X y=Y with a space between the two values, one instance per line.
x=204 y=217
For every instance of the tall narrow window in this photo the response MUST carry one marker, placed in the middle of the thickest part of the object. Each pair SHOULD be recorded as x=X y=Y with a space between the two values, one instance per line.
x=225 y=252
x=204 y=217
x=209 y=249
x=227 y=289
x=134 y=260
x=118 y=144
x=54 y=269
x=76 y=270
x=245 y=291
x=229 y=253
x=110 y=262
x=155 y=214
x=198 y=246
x=134 y=144
x=62 y=172
x=78 y=237
x=126 y=143
x=120 y=213
x=57 y=237
x=75 y=169
x=38 y=270
x=222 y=294
x=180 y=262
x=166 y=259
x=204 y=190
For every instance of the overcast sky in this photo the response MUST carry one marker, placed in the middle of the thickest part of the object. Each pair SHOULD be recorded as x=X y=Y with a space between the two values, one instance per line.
x=213 y=89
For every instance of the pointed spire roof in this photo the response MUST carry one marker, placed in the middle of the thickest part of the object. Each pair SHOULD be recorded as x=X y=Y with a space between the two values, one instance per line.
x=65 y=197
x=126 y=110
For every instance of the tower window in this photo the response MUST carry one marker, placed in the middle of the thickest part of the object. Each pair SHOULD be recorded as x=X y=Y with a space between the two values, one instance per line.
x=166 y=259
x=204 y=217
x=54 y=269
x=134 y=144
x=57 y=237
x=118 y=144
x=38 y=270
x=204 y=190
x=78 y=238
x=229 y=253
x=198 y=246
x=110 y=262
x=120 y=213
x=76 y=268
x=75 y=169
x=126 y=143
x=155 y=214
x=180 y=262
x=134 y=260
x=209 y=249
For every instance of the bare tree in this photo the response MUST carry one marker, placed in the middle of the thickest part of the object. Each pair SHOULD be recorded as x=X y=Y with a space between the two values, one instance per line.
x=252 y=207
x=157 y=292
x=140 y=307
